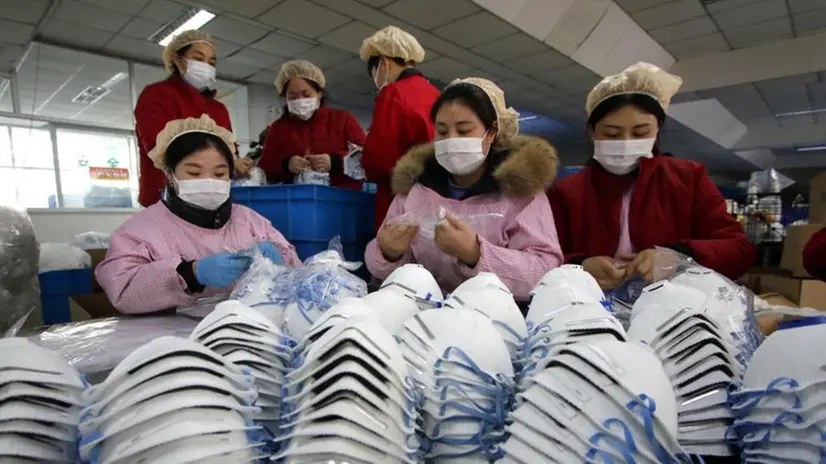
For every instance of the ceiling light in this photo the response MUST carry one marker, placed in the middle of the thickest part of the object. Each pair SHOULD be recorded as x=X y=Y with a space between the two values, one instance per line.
x=90 y=95
x=114 y=80
x=812 y=148
x=800 y=113
x=189 y=18
x=528 y=118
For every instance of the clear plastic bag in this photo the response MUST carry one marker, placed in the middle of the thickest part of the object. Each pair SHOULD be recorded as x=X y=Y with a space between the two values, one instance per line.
x=254 y=178
x=428 y=223
x=62 y=257
x=99 y=345
x=352 y=162
x=322 y=282
x=313 y=177
x=266 y=286
x=92 y=240
x=202 y=306
x=19 y=266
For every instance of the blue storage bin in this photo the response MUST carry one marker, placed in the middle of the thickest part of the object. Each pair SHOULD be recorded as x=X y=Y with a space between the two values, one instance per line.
x=56 y=287
x=309 y=216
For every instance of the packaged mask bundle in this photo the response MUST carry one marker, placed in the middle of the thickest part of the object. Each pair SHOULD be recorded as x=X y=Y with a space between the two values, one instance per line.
x=19 y=258
x=313 y=178
x=352 y=162
x=266 y=286
x=255 y=177
x=428 y=222
x=92 y=240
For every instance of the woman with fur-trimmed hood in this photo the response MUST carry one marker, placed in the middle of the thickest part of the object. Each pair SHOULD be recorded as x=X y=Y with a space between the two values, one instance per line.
x=489 y=181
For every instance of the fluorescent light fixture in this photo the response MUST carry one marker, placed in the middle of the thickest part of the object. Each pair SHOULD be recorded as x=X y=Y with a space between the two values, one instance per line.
x=528 y=118
x=90 y=95
x=812 y=148
x=190 y=18
x=114 y=80
x=800 y=113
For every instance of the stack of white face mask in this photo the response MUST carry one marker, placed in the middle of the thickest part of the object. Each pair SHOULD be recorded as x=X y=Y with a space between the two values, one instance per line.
x=779 y=406
x=678 y=323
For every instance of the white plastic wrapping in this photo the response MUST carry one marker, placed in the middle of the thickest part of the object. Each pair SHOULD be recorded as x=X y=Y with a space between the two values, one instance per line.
x=99 y=345
x=352 y=162
x=19 y=259
x=254 y=178
x=62 y=257
x=427 y=222
x=313 y=177
x=266 y=286
x=92 y=240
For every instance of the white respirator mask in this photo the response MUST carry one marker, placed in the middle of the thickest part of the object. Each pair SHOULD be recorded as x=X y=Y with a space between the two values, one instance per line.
x=619 y=157
x=460 y=155
x=208 y=194
x=303 y=108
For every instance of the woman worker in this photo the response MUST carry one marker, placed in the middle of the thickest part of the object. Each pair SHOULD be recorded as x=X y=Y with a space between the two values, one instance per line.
x=401 y=116
x=309 y=135
x=189 y=92
x=814 y=255
x=476 y=166
x=177 y=250
x=630 y=198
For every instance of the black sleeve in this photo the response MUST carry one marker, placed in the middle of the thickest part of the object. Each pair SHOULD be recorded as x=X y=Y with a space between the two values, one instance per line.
x=336 y=164
x=187 y=272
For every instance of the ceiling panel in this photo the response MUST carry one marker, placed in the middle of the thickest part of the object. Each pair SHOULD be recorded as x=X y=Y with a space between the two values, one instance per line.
x=224 y=48
x=15 y=32
x=72 y=34
x=725 y=5
x=697 y=46
x=349 y=37
x=252 y=57
x=539 y=62
x=161 y=10
x=768 y=31
x=475 y=30
x=632 y=6
x=131 y=7
x=281 y=45
x=304 y=18
x=510 y=47
x=129 y=47
x=802 y=6
x=140 y=28
x=248 y=8
x=323 y=56
x=673 y=12
x=234 y=31
x=810 y=21
x=756 y=12
x=423 y=13
x=685 y=30
x=91 y=16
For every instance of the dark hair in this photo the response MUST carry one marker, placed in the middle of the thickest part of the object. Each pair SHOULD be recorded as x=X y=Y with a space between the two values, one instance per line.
x=374 y=61
x=472 y=96
x=180 y=54
x=643 y=102
x=192 y=142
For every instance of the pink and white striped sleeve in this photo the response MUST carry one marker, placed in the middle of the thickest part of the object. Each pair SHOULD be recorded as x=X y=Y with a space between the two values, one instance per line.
x=532 y=250
x=374 y=259
x=134 y=282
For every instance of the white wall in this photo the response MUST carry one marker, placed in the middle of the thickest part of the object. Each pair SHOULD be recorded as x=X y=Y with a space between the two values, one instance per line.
x=263 y=106
x=61 y=225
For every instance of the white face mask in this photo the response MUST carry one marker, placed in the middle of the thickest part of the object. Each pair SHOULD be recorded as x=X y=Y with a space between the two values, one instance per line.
x=208 y=194
x=620 y=157
x=460 y=155
x=303 y=108
x=199 y=75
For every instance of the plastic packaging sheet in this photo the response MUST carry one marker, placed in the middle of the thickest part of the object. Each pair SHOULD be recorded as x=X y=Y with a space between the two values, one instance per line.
x=92 y=240
x=62 y=257
x=202 y=306
x=768 y=181
x=266 y=286
x=427 y=223
x=19 y=260
x=313 y=177
x=255 y=177
x=352 y=162
x=98 y=345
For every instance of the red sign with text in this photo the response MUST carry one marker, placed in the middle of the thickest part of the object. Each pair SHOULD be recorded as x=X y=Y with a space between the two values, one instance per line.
x=108 y=173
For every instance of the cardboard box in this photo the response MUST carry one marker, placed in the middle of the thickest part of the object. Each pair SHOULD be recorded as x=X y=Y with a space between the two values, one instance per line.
x=96 y=304
x=796 y=239
x=806 y=293
x=817 y=199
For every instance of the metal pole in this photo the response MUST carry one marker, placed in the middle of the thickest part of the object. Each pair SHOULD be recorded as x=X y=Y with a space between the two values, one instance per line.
x=56 y=160
x=15 y=92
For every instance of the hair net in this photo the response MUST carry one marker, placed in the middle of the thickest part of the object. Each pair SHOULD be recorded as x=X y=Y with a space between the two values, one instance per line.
x=299 y=68
x=641 y=78
x=507 y=118
x=182 y=40
x=392 y=42
x=179 y=127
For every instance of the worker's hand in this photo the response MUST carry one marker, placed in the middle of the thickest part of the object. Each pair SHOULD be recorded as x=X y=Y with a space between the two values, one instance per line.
x=395 y=239
x=457 y=239
x=270 y=251
x=320 y=163
x=243 y=166
x=605 y=270
x=642 y=265
x=298 y=164
x=221 y=270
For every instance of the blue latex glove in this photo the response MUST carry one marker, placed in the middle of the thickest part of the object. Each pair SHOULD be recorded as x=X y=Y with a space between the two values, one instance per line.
x=270 y=251
x=221 y=270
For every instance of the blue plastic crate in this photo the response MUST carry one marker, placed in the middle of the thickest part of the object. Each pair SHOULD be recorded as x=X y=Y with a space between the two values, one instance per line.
x=56 y=287
x=309 y=216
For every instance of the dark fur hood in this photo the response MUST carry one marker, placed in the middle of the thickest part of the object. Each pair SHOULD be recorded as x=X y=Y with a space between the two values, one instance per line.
x=526 y=167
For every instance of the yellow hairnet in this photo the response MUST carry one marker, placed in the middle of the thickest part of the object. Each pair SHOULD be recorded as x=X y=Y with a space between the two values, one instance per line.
x=179 y=127
x=392 y=42
x=182 y=40
x=641 y=78
x=299 y=68
x=507 y=118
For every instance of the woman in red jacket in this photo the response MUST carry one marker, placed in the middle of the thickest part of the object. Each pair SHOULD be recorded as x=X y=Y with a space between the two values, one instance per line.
x=630 y=198
x=187 y=93
x=309 y=135
x=401 y=116
x=814 y=255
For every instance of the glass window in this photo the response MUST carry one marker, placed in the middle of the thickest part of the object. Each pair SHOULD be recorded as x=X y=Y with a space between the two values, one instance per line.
x=68 y=84
x=97 y=170
x=27 y=175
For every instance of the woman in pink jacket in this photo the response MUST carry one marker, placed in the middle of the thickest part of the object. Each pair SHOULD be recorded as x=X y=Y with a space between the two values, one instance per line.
x=491 y=182
x=192 y=243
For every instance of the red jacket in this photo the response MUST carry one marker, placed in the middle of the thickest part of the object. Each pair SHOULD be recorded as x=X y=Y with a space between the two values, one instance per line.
x=401 y=120
x=674 y=204
x=814 y=255
x=328 y=131
x=158 y=104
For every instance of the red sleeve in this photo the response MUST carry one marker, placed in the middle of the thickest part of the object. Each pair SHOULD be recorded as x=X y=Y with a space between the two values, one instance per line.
x=721 y=244
x=382 y=147
x=353 y=132
x=561 y=219
x=272 y=157
x=153 y=110
x=814 y=255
